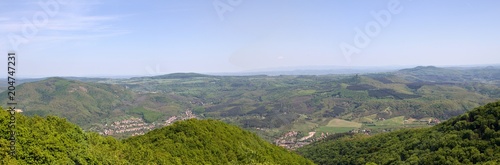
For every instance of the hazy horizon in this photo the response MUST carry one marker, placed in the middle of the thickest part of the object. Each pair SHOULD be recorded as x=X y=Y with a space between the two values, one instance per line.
x=96 y=37
x=299 y=70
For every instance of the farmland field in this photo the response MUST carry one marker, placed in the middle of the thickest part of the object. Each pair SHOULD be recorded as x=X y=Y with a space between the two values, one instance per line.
x=343 y=123
x=327 y=129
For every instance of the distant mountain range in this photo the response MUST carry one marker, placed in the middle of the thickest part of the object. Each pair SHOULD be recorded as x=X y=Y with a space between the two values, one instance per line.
x=303 y=70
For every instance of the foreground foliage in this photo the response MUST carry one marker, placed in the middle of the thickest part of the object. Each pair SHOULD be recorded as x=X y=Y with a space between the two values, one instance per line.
x=53 y=140
x=471 y=138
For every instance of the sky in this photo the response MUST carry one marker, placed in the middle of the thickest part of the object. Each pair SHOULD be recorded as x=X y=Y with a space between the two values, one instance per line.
x=112 y=37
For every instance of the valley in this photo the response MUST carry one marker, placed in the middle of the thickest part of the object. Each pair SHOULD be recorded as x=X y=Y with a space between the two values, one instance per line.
x=271 y=106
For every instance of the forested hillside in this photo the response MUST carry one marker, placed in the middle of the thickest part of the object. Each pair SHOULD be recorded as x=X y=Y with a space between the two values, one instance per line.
x=53 y=140
x=79 y=102
x=207 y=142
x=471 y=138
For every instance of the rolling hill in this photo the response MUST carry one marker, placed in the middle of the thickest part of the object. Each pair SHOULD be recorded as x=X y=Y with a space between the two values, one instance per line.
x=456 y=74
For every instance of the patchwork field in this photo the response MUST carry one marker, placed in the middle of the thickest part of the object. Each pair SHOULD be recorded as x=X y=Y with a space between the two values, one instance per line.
x=392 y=121
x=340 y=126
x=326 y=129
x=343 y=123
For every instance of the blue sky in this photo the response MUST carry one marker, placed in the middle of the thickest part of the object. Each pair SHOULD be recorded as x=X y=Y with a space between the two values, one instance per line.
x=111 y=37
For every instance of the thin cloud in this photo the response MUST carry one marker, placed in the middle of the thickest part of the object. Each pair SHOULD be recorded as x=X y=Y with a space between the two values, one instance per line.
x=80 y=23
x=181 y=10
x=69 y=37
x=74 y=21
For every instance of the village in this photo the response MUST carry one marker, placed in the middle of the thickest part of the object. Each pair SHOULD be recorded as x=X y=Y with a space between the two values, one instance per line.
x=291 y=141
x=134 y=126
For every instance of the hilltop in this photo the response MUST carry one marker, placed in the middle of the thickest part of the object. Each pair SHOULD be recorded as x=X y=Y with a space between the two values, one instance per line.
x=207 y=142
x=53 y=140
x=457 y=74
x=471 y=138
